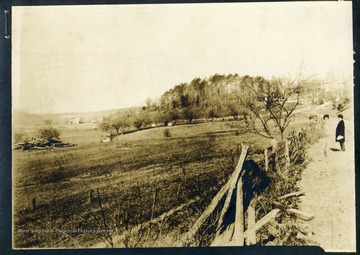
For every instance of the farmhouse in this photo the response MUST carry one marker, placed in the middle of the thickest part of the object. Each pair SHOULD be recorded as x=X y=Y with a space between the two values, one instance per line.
x=74 y=120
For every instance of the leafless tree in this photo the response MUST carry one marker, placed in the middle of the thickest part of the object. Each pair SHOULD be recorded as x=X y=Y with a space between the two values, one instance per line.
x=270 y=105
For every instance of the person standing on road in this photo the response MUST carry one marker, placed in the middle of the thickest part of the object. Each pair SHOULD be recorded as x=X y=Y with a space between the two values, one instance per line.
x=340 y=132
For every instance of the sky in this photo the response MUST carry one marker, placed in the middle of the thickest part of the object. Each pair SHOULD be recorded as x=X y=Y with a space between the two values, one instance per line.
x=94 y=58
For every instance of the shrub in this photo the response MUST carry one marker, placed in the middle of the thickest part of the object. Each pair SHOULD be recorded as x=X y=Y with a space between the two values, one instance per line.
x=212 y=114
x=167 y=133
x=138 y=124
x=49 y=133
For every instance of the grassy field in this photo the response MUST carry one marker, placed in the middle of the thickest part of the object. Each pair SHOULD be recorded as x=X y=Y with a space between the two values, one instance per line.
x=144 y=189
x=139 y=176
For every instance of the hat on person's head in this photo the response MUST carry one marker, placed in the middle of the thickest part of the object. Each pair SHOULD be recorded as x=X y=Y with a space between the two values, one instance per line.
x=340 y=116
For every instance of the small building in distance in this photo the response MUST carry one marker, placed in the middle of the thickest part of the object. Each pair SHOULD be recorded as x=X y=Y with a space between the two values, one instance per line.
x=74 y=120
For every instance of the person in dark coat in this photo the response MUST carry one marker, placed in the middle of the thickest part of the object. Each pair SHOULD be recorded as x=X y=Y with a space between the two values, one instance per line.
x=340 y=132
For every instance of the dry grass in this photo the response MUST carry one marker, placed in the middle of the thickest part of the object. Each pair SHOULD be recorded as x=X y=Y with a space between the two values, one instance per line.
x=194 y=162
x=140 y=177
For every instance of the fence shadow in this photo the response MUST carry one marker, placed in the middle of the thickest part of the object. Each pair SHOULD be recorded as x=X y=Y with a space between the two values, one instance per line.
x=254 y=182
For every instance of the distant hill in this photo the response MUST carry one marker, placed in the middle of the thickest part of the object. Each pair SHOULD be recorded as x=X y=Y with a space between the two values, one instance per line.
x=96 y=114
x=25 y=119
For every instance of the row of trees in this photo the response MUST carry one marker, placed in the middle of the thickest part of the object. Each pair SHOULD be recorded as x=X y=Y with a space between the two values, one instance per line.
x=223 y=95
x=263 y=105
x=145 y=117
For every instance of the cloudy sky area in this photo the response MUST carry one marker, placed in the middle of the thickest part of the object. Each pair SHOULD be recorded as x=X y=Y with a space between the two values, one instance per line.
x=92 y=58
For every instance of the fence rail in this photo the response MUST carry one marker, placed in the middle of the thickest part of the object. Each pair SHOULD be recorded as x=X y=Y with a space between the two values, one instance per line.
x=239 y=235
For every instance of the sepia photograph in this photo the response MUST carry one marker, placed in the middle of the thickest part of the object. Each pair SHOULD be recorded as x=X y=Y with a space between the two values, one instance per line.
x=183 y=125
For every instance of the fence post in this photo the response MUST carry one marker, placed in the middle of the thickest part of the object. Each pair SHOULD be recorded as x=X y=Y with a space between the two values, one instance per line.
x=266 y=160
x=274 y=145
x=287 y=157
x=34 y=204
x=91 y=198
x=251 y=234
x=238 y=236
x=274 y=154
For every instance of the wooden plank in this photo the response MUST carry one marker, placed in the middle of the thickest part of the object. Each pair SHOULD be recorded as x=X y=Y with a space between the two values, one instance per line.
x=274 y=145
x=211 y=207
x=238 y=236
x=234 y=178
x=287 y=158
x=293 y=194
x=251 y=232
x=264 y=220
x=300 y=214
x=266 y=160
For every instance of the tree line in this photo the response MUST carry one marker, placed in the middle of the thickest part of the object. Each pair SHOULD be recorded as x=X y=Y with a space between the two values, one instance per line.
x=261 y=103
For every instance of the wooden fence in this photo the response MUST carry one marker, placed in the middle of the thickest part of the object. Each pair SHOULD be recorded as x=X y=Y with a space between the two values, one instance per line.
x=295 y=145
x=237 y=234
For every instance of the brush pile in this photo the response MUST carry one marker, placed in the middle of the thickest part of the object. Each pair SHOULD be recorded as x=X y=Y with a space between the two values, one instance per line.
x=35 y=143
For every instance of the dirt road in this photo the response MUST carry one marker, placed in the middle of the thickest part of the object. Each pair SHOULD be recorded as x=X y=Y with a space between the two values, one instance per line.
x=329 y=186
